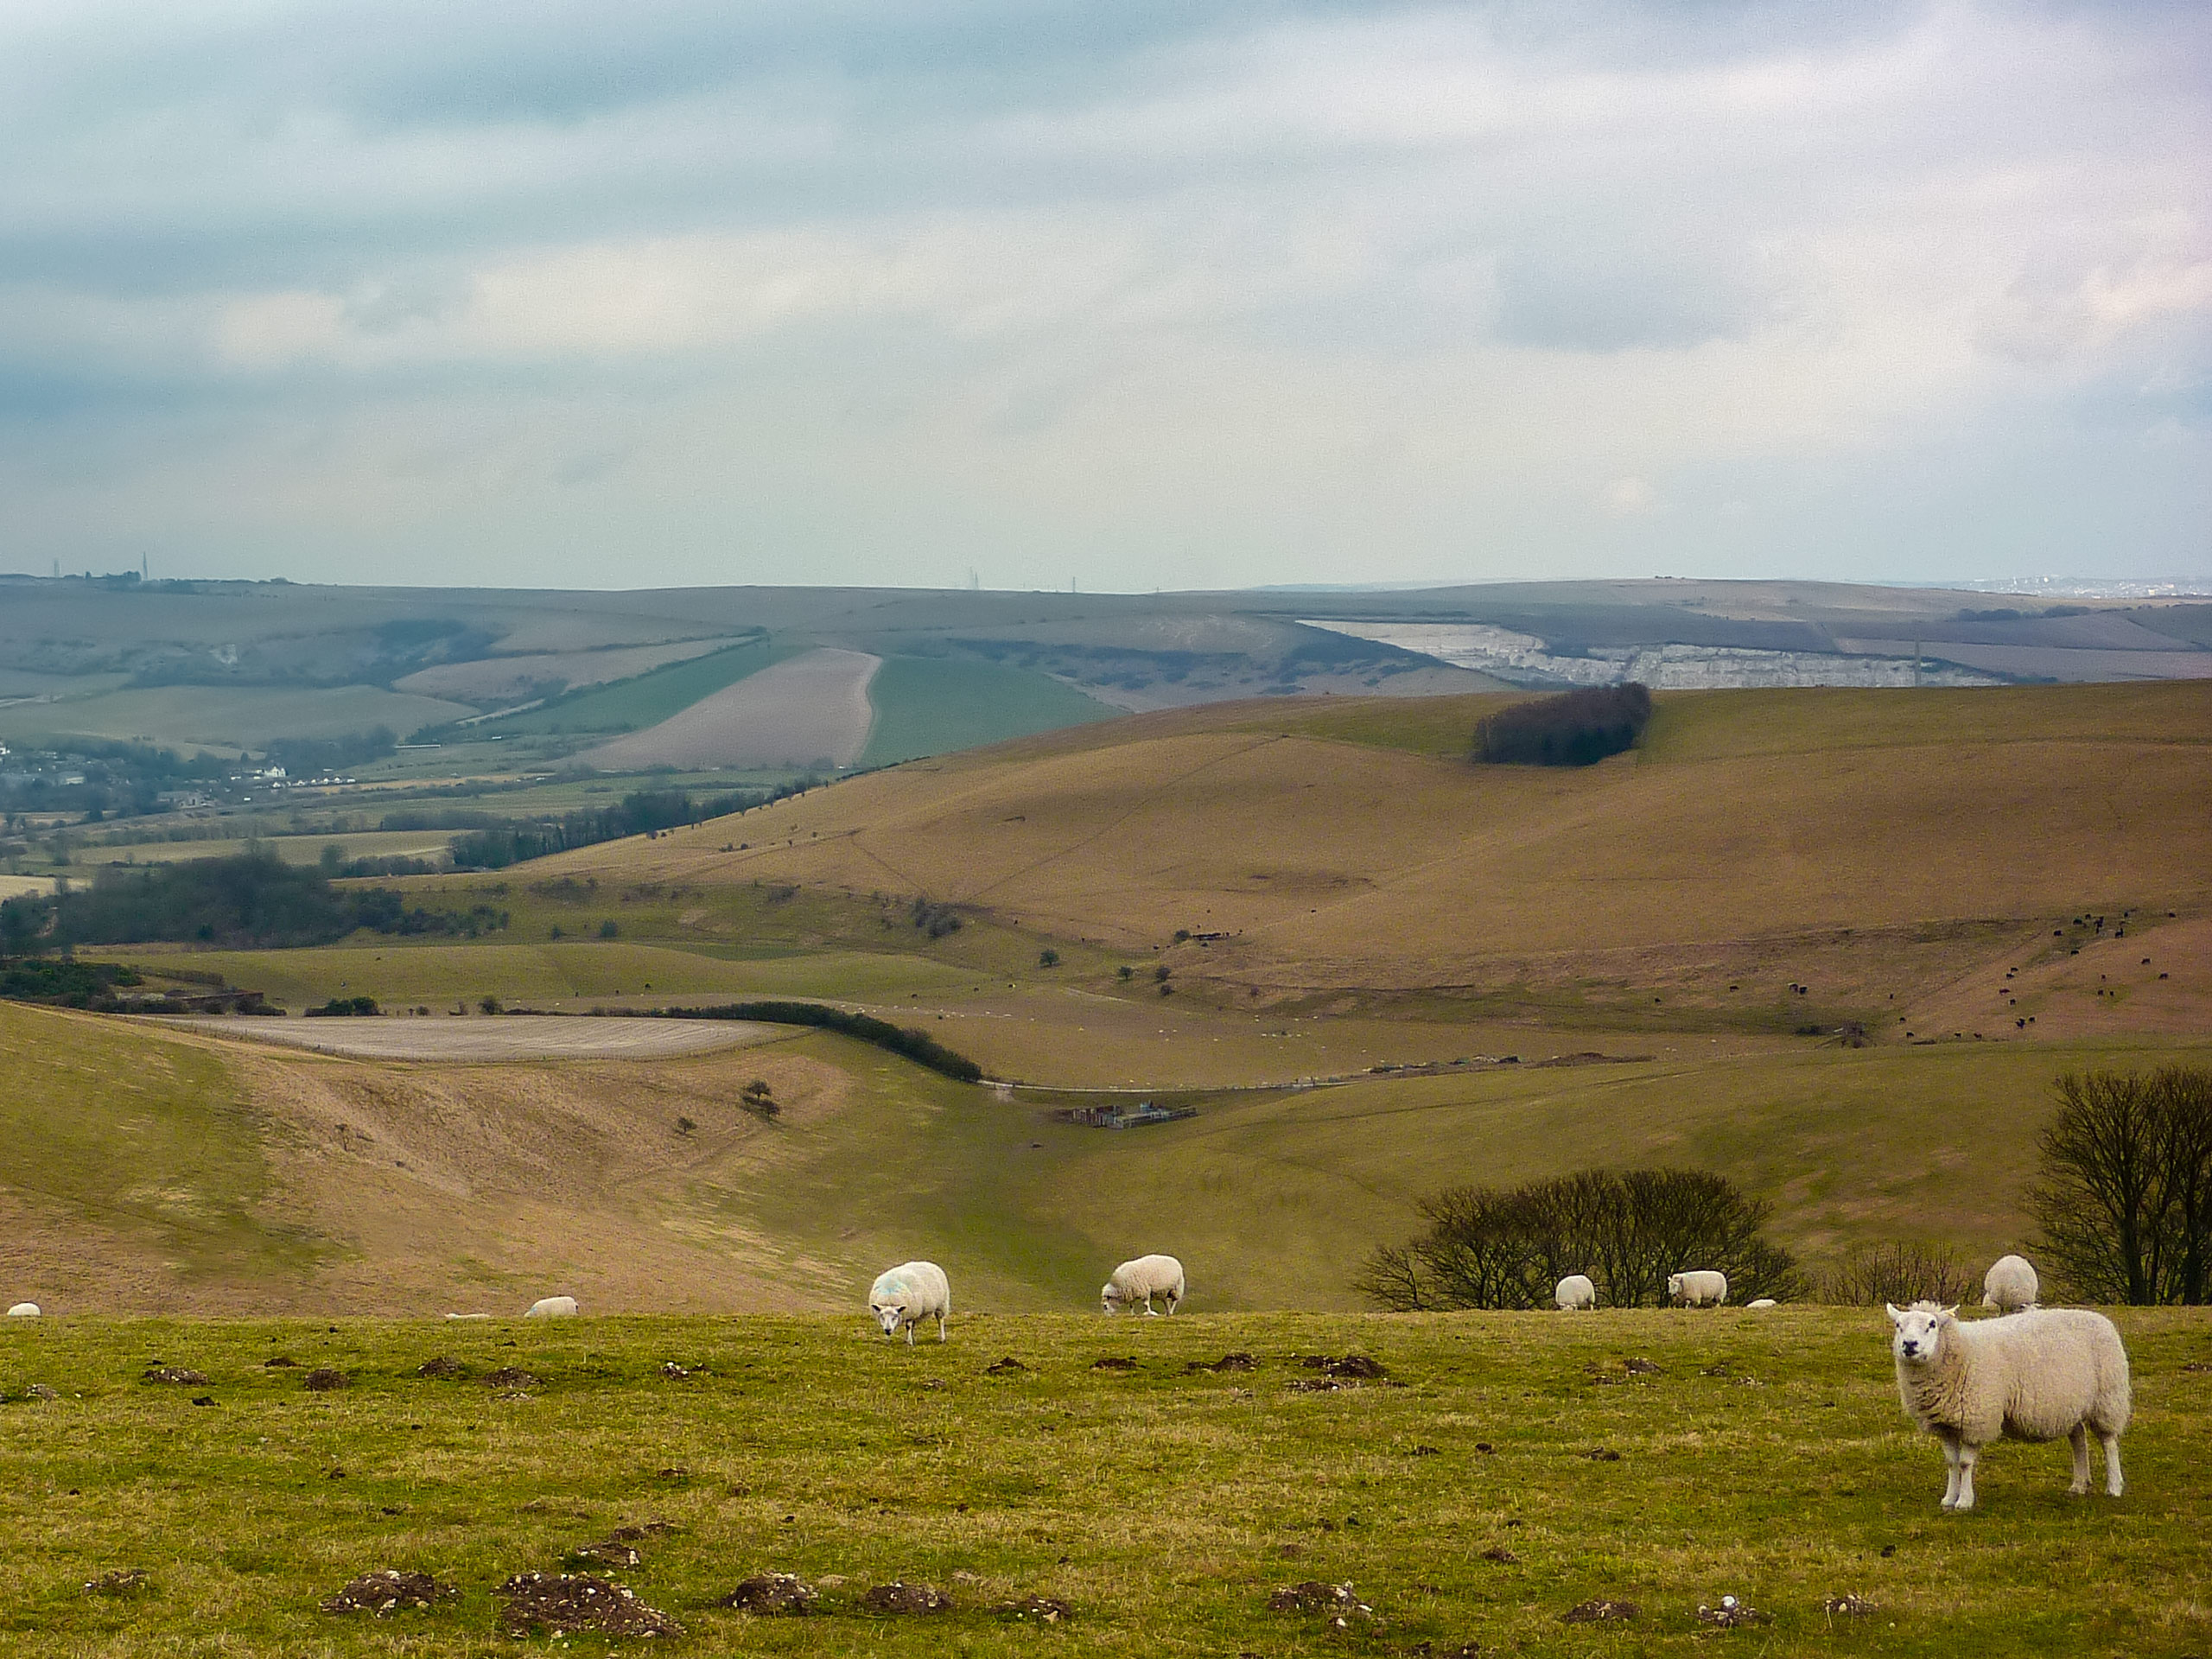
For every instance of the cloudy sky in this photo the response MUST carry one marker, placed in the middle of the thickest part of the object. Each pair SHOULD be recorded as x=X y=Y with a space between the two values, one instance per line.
x=1127 y=293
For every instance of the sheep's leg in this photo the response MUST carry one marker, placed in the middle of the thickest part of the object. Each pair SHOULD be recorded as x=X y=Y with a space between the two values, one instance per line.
x=2079 y=1439
x=2114 y=1485
x=1950 y=1470
x=1967 y=1454
x=940 y=1327
x=910 y=1333
x=1172 y=1300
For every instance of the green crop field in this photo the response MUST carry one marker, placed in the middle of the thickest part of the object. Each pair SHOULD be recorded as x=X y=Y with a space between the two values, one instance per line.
x=935 y=705
x=634 y=704
x=1504 y=1470
x=224 y=718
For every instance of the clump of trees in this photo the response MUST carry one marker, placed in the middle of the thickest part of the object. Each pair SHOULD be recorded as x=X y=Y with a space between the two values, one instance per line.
x=1576 y=729
x=1869 y=1275
x=69 y=984
x=644 y=812
x=917 y=1046
x=253 y=900
x=1495 y=1246
x=2123 y=1197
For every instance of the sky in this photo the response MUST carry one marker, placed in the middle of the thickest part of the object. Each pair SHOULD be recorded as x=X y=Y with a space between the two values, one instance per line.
x=1145 y=293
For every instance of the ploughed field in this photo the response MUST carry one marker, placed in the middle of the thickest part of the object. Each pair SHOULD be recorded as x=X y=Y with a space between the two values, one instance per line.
x=1483 y=1476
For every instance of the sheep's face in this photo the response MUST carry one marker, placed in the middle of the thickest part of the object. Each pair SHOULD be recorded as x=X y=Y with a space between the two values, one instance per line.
x=1916 y=1335
x=889 y=1315
x=1675 y=1287
x=1110 y=1300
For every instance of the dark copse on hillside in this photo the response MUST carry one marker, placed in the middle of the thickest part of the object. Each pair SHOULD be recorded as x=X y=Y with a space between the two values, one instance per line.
x=917 y=1046
x=254 y=900
x=645 y=811
x=2123 y=1193
x=64 y=983
x=309 y=755
x=1494 y=1248
x=1576 y=729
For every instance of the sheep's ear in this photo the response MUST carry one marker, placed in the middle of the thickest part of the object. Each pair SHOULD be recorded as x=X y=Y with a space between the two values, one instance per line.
x=1950 y=1312
x=1897 y=1316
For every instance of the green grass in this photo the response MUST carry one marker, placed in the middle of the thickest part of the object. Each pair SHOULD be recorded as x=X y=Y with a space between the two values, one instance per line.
x=192 y=717
x=634 y=704
x=293 y=849
x=1767 y=1459
x=933 y=706
x=152 y=1141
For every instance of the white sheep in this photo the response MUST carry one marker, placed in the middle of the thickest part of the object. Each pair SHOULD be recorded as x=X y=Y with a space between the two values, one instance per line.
x=1700 y=1289
x=2010 y=1285
x=1763 y=1301
x=1146 y=1277
x=908 y=1294
x=23 y=1311
x=552 y=1307
x=2034 y=1376
x=1575 y=1291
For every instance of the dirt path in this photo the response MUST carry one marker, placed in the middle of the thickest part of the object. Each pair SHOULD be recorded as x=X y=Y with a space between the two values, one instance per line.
x=812 y=708
x=552 y=1037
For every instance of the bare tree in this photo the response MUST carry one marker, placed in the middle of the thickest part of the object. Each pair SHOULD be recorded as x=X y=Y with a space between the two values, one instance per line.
x=2124 y=1196
x=1900 y=1273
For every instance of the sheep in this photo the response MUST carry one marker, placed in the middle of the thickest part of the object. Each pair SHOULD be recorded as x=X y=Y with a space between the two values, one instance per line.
x=552 y=1307
x=1763 y=1301
x=1700 y=1289
x=1575 y=1291
x=2033 y=1376
x=23 y=1311
x=908 y=1294
x=2010 y=1285
x=1146 y=1277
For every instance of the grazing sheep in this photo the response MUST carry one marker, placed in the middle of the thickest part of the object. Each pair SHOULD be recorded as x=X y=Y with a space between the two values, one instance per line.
x=1141 y=1280
x=1700 y=1289
x=23 y=1311
x=2010 y=1285
x=908 y=1294
x=1575 y=1291
x=553 y=1307
x=1763 y=1301
x=2034 y=1376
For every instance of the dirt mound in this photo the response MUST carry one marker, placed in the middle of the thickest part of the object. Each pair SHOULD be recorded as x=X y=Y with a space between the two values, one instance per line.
x=1730 y=1613
x=1599 y=1610
x=120 y=1582
x=901 y=1597
x=323 y=1379
x=772 y=1593
x=1113 y=1363
x=1004 y=1367
x=1356 y=1367
x=382 y=1593
x=440 y=1365
x=1237 y=1362
x=562 y=1603
x=607 y=1552
x=644 y=1529
x=183 y=1374
x=1502 y=1555
x=1313 y=1596
x=1851 y=1605
x=513 y=1377
x=282 y=1362
x=1044 y=1610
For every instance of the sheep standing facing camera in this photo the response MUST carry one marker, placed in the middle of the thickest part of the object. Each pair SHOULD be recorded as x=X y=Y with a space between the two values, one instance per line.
x=2011 y=1285
x=1140 y=1281
x=1575 y=1291
x=908 y=1294
x=2035 y=1376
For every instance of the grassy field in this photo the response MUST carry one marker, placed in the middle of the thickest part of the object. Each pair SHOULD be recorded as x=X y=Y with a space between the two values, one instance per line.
x=293 y=849
x=1764 y=1459
x=634 y=704
x=224 y=718
x=936 y=705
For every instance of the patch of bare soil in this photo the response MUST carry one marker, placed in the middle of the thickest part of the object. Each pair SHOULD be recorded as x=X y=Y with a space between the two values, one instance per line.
x=607 y=1552
x=324 y=1380
x=442 y=1365
x=181 y=1374
x=772 y=1593
x=1851 y=1605
x=900 y=1597
x=513 y=1377
x=1730 y=1613
x=1233 y=1362
x=1115 y=1363
x=120 y=1582
x=1354 y=1367
x=562 y=1603
x=1312 y=1596
x=1005 y=1367
x=549 y=1037
x=1599 y=1610
x=1041 y=1610
x=387 y=1590
x=812 y=707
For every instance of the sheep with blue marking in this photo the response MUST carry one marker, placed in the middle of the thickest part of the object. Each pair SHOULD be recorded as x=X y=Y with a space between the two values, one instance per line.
x=902 y=1297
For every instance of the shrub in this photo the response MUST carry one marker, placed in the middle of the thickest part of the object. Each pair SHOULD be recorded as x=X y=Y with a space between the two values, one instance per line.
x=1048 y=958
x=1870 y=1275
x=1576 y=728
x=342 y=1007
x=1489 y=1247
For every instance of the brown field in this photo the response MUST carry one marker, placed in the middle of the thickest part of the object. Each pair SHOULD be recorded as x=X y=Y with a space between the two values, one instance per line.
x=812 y=708
x=498 y=678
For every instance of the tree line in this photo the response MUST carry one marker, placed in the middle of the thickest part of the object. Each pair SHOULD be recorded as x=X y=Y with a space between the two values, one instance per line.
x=643 y=812
x=1576 y=729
